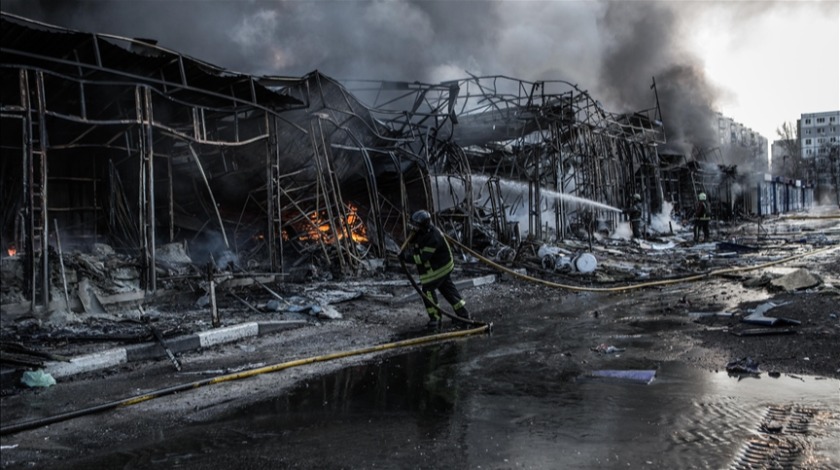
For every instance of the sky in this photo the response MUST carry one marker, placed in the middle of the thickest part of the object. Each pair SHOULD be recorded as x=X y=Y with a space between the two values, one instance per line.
x=761 y=63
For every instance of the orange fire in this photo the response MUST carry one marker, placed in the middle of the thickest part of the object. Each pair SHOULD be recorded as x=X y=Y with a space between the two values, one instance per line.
x=320 y=228
x=11 y=250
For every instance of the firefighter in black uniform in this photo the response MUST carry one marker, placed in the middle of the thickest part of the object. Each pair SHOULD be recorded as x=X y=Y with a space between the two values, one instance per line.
x=430 y=251
x=701 y=219
x=635 y=213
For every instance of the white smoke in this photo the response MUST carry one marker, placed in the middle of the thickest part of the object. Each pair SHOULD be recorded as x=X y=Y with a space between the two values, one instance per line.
x=663 y=222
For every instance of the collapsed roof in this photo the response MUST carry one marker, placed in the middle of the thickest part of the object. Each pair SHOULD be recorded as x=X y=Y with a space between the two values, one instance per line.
x=141 y=146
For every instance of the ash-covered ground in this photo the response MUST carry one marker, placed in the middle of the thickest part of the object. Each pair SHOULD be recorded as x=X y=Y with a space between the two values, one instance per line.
x=697 y=323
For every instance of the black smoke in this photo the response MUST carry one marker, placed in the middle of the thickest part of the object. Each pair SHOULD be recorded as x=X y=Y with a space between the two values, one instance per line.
x=612 y=49
x=645 y=47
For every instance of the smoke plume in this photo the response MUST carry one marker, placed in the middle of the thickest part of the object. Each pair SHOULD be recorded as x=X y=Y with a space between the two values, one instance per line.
x=612 y=49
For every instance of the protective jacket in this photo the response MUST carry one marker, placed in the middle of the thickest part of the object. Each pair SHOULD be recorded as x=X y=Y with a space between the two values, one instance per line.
x=702 y=211
x=432 y=255
x=635 y=212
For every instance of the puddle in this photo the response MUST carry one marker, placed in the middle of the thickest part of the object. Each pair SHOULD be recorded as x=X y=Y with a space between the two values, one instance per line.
x=465 y=405
x=517 y=399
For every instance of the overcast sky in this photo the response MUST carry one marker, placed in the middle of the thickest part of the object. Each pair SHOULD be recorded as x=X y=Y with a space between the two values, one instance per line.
x=762 y=63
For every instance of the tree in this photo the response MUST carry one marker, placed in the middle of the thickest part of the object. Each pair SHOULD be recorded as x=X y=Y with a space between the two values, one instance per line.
x=828 y=172
x=791 y=164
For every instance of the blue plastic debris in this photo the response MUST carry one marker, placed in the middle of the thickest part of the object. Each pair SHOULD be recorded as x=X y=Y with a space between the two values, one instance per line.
x=37 y=378
x=644 y=376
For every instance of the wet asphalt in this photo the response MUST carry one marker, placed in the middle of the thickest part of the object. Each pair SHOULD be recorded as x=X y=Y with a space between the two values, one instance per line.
x=523 y=397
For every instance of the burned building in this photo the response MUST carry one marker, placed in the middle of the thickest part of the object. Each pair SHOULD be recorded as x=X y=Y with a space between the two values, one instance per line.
x=119 y=141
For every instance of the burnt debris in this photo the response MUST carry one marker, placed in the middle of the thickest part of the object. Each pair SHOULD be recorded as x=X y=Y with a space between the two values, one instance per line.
x=190 y=170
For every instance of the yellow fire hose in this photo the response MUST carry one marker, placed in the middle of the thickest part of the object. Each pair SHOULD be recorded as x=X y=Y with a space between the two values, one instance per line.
x=480 y=328
x=695 y=277
x=32 y=424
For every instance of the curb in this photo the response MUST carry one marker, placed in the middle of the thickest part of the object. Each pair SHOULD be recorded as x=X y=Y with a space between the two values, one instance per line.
x=138 y=352
x=460 y=284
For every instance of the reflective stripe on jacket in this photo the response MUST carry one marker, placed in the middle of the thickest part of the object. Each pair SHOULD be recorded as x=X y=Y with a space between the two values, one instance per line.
x=432 y=255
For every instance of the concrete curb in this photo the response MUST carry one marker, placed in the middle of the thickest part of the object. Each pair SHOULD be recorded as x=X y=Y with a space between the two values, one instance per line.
x=461 y=284
x=139 y=352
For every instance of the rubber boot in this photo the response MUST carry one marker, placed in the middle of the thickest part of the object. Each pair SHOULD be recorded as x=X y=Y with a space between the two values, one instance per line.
x=463 y=313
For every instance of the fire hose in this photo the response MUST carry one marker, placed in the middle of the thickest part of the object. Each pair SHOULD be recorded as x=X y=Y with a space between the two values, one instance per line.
x=695 y=277
x=36 y=423
x=419 y=291
x=479 y=328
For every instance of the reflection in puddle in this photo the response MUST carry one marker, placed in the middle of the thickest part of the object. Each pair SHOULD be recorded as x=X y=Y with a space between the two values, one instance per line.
x=460 y=405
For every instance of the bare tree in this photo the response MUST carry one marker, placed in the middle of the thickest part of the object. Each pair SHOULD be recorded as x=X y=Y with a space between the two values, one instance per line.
x=791 y=164
x=830 y=166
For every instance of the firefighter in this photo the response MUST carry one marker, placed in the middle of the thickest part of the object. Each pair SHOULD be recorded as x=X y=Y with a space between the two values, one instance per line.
x=430 y=251
x=701 y=218
x=635 y=213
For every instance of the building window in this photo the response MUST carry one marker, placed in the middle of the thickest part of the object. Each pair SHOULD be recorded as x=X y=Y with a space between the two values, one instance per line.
x=807 y=141
x=820 y=120
x=807 y=121
x=808 y=152
x=832 y=119
x=808 y=131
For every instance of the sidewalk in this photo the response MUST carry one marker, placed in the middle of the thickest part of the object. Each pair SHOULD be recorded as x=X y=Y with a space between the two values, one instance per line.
x=108 y=358
x=152 y=350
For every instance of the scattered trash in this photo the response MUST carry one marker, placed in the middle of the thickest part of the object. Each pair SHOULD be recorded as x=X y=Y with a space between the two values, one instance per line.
x=37 y=378
x=736 y=247
x=273 y=305
x=764 y=332
x=663 y=246
x=766 y=307
x=757 y=316
x=326 y=311
x=644 y=376
x=87 y=295
x=710 y=314
x=585 y=263
x=745 y=365
x=606 y=349
x=558 y=259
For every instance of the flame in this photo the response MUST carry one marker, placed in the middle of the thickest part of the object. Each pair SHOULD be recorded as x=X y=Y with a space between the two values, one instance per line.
x=320 y=228
x=11 y=250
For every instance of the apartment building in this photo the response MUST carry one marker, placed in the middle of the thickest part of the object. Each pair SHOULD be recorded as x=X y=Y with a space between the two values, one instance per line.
x=819 y=143
x=741 y=145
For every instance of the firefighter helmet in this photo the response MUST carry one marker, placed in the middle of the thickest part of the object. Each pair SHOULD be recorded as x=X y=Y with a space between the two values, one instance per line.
x=421 y=220
x=701 y=196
